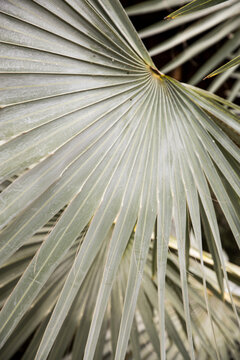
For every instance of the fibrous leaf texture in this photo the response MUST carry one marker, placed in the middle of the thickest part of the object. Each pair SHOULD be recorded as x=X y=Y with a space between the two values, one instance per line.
x=92 y=131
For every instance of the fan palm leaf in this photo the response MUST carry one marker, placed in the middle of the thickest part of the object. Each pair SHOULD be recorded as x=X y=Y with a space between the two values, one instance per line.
x=92 y=129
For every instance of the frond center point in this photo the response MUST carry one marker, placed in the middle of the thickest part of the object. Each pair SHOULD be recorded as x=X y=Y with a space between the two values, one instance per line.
x=156 y=73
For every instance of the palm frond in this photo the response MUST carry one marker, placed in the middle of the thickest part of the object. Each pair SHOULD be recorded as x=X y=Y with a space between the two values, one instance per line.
x=195 y=5
x=229 y=65
x=109 y=146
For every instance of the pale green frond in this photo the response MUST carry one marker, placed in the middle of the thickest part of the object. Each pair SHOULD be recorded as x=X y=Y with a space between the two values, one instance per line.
x=150 y=6
x=194 y=5
x=231 y=63
x=103 y=158
x=228 y=47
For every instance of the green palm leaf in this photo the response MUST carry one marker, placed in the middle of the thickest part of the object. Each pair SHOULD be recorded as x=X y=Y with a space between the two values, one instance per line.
x=229 y=65
x=92 y=129
x=194 y=5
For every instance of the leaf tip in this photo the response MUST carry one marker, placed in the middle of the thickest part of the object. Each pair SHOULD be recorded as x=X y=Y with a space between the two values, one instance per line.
x=169 y=17
x=209 y=76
